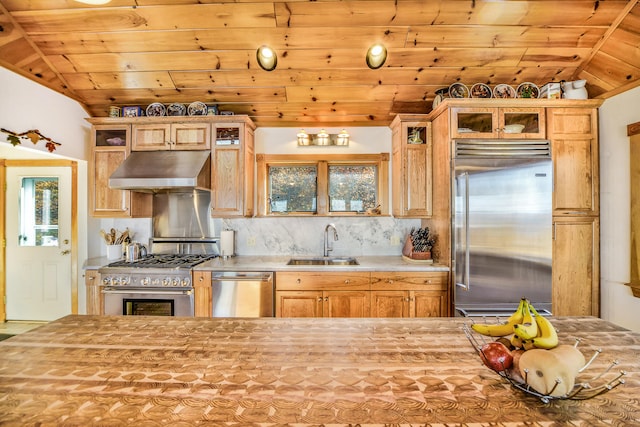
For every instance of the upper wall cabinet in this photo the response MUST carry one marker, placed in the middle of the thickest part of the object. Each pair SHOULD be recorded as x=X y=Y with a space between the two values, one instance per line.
x=110 y=146
x=171 y=136
x=232 y=169
x=494 y=122
x=574 y=140
x=230 y=139
x=411 y=166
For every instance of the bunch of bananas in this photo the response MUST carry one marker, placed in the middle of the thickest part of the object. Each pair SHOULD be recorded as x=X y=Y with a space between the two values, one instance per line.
x=528 y=329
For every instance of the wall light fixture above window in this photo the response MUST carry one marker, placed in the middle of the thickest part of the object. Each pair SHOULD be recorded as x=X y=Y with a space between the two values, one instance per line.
x=323 y=138
x=267 y=58
x=376 y=55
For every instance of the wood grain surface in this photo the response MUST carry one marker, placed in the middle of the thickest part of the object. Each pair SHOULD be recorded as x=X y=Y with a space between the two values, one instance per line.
x=155 y=371
x=136 y=52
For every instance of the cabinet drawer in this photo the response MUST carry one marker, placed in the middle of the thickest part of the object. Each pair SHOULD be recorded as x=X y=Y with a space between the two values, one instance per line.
x=397 y=280
x=330 y=280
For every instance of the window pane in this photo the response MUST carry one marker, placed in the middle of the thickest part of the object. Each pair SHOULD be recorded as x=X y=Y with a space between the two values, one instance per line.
x=38 y=214
x=292 y=188
x=353 y=188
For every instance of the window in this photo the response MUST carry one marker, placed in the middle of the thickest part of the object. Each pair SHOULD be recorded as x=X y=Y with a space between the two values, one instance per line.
x=322 y=184
x=353 y=188
x=293 y=188
x=38 y=212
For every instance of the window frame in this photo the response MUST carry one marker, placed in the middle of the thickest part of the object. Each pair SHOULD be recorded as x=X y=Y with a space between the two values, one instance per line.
x=322 y=163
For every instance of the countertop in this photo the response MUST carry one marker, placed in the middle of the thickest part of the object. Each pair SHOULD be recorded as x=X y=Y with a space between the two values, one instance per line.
x=156 y=371
x=279 y=263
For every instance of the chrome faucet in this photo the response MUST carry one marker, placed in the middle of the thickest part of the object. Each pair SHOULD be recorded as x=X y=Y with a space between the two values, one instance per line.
x=327 y=247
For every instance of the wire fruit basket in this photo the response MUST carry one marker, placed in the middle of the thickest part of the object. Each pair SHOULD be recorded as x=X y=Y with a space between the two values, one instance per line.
x=584 y=388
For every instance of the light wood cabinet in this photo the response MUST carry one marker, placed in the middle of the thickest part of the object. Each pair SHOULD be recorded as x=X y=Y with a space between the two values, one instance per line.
x=411 y=165
x=93 y=285
x=110 y=146
x=322 y=294
x=494 y=122
x=299 y=304
x=409 y=294
x=576 y=266
x=576 y=207
x=361 y=294
x=171 y=136
x=232 y=169
x=574 y=143
x=203 y=293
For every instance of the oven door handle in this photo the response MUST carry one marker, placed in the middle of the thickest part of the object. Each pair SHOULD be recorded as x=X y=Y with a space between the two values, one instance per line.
x=147 y=291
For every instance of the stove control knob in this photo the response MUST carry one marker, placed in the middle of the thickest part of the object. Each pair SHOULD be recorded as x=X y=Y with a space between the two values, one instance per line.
x=175 y=281
x=145 y=281
x=186 y=281
x=107 y=281
x=166 y=281
x=124 y=281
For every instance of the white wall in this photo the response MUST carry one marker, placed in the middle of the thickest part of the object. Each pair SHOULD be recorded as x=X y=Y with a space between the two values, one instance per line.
x=26 y=105
x=618 y=304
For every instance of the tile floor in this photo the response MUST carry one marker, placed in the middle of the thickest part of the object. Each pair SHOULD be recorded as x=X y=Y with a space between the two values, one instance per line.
x=18 y=327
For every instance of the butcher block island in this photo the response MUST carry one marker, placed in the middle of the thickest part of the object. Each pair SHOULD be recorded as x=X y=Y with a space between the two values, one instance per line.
x=155 y=371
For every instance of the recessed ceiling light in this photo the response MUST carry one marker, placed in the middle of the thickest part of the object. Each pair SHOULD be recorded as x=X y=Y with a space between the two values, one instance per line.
x=376 y=55
x=267 y=58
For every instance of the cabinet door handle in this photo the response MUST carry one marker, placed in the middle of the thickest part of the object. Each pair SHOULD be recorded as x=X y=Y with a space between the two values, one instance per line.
x=427 y=281
x=319 y=299
x=326 y=298
x=298 y=281
x=347 y=281
x=389 y=281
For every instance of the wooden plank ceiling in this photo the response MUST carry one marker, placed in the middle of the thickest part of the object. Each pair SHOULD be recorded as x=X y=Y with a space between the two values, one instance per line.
x=135 y=52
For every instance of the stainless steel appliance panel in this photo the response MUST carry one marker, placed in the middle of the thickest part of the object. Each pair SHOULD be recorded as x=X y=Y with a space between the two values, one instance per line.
x=182 y=215
x=243 y=294
x=502 y=233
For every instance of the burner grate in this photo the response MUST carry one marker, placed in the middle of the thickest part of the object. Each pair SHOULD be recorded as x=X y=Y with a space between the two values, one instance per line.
x=165 y=261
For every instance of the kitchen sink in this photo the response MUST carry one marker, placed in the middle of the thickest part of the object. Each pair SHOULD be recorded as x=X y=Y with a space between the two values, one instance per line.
x=323 y=261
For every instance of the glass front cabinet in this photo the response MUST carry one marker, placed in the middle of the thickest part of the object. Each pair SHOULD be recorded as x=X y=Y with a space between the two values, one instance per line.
x=493 y=122
x=411 y=166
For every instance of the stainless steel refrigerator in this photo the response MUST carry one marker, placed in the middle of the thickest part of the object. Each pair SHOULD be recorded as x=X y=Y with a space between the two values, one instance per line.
x=502 y=225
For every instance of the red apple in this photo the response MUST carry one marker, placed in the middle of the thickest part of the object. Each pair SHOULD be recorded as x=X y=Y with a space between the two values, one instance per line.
x=496 y=356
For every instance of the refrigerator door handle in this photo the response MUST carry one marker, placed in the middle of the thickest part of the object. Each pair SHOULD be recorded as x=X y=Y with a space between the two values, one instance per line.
x=465 y=221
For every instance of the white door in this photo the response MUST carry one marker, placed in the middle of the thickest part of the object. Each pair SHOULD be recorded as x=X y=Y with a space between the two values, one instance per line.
x=38 y=234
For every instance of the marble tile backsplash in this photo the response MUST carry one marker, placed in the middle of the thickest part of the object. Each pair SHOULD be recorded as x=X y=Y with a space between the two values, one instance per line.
x=358 y=236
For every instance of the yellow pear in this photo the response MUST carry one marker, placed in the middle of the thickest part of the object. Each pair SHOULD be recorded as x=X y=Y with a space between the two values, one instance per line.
x=546 y=373
x=571 y=356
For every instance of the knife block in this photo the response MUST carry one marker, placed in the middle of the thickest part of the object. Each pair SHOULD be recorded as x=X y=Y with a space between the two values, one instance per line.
x=409 y=252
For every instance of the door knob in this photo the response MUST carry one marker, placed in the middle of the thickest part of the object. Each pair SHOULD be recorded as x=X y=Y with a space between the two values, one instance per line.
x=65 y=252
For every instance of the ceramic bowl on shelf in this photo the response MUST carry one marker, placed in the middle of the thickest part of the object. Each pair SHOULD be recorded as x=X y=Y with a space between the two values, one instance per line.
x=514 y=128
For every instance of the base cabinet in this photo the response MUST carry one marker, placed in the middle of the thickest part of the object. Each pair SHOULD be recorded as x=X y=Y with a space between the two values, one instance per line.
x=355 y=294
x=575 y=266
x=202 y=293
x=409 y=294
x=322 y=303
x=93 y=287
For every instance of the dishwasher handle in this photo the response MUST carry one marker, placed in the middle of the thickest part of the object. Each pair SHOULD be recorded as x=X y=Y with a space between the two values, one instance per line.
x=241 y=276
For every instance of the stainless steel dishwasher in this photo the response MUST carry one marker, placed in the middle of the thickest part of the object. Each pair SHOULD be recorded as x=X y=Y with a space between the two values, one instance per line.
x=242 y=294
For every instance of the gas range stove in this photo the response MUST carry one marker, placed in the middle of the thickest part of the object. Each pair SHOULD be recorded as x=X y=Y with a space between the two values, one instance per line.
x=156 y=270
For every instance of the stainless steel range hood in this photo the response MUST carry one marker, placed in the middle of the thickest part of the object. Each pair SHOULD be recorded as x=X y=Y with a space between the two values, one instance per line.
x=157 y=171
